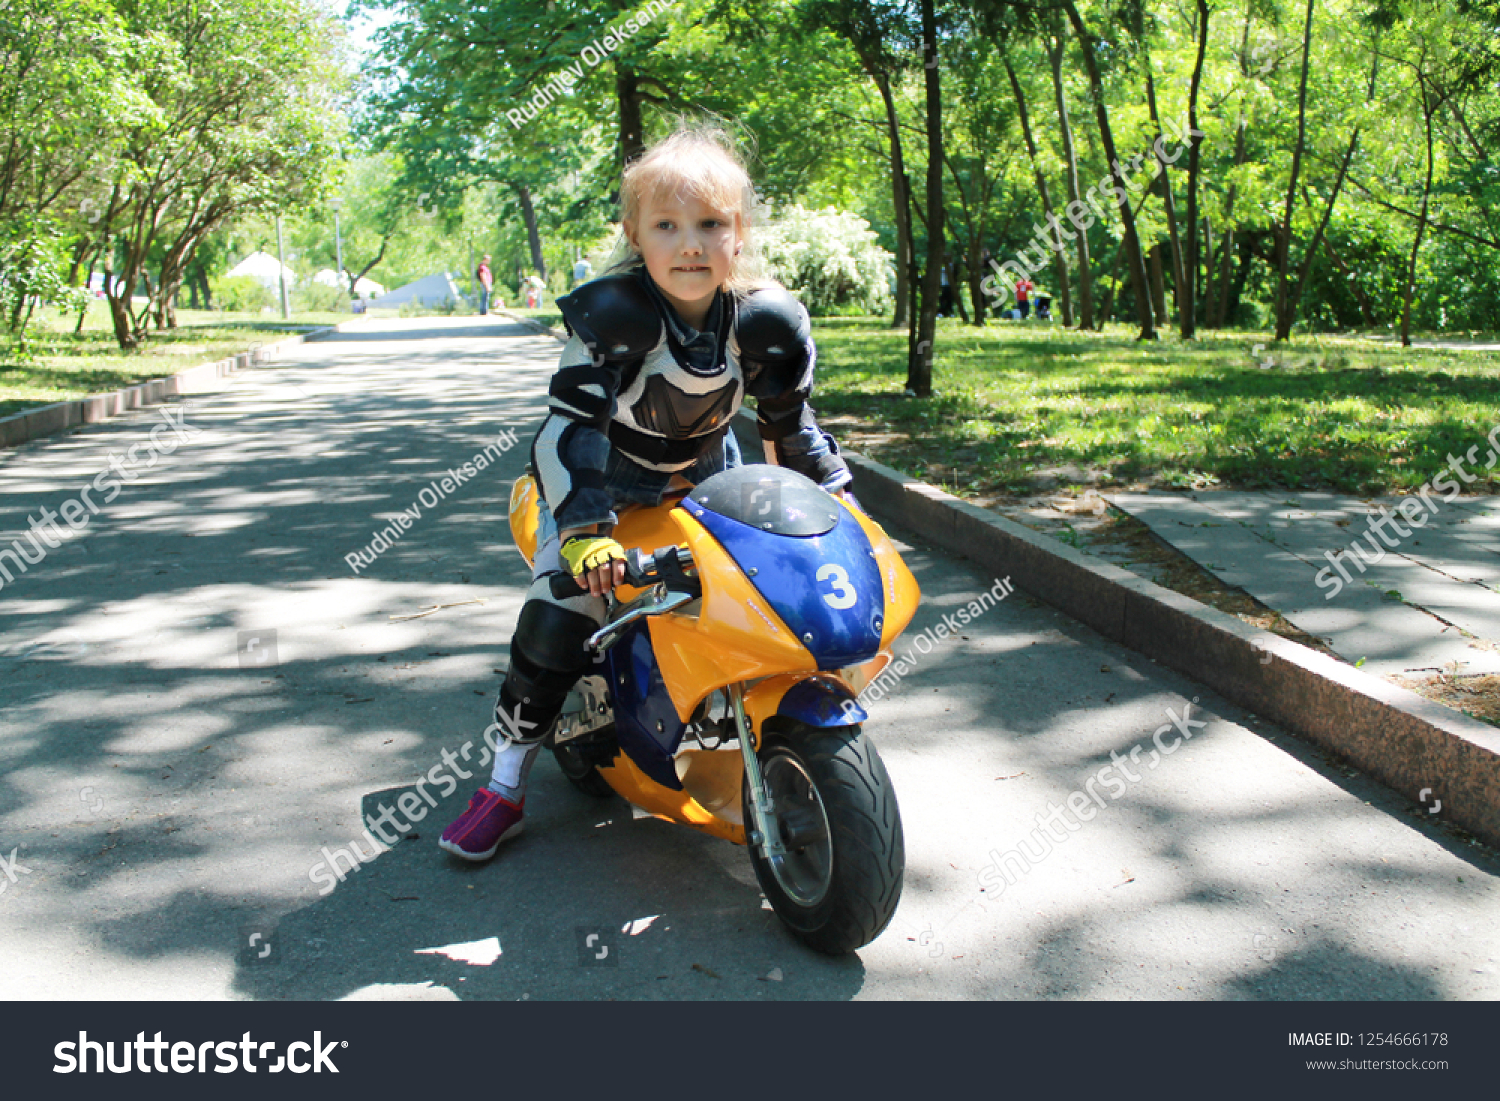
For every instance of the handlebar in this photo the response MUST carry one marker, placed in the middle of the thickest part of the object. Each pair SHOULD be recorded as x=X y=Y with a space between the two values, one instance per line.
x=641 y=570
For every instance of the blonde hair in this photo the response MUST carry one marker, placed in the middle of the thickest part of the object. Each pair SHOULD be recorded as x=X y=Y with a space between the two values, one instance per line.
x=696 y=160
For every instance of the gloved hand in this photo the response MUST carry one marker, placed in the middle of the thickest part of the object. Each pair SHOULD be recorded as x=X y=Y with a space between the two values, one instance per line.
x=584 y=553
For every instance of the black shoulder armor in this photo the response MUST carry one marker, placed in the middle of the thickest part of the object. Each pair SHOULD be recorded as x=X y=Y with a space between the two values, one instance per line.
x=614 y=316
x=773 y=327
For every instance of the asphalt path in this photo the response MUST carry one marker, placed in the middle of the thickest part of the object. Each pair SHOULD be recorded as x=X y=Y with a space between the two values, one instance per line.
x=170 y=793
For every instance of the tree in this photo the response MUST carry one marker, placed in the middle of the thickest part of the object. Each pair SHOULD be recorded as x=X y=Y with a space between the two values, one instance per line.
x=1134 y=260
x=242 y=119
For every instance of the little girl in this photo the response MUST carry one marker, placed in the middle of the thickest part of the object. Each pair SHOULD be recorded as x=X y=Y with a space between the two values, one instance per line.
x=666 y=344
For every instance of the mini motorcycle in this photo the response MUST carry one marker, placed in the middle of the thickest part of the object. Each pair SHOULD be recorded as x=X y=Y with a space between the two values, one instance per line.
x=767 y=609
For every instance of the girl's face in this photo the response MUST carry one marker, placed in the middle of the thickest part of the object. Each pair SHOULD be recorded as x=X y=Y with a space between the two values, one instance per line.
x=689 y=248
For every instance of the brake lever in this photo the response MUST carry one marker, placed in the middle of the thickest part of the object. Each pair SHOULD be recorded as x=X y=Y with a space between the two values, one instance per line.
x=610 y=633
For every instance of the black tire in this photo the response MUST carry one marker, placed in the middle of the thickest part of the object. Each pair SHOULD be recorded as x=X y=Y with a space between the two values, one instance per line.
x=580 y=770
x=866 y=848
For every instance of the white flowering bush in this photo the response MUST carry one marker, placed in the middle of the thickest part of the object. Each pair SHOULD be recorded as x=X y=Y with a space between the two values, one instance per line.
x=828 y=258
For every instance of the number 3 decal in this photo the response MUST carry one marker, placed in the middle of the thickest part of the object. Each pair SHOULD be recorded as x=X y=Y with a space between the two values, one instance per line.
x=843 y=595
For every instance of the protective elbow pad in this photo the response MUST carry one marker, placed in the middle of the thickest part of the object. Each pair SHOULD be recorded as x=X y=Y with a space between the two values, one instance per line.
x=773 y=332
x=614 y=317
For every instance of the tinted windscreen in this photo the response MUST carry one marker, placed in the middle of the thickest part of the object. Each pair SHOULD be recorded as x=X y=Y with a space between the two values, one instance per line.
x=769 y=498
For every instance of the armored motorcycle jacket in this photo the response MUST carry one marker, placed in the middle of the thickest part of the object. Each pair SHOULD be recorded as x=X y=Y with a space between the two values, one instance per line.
x=633 y=379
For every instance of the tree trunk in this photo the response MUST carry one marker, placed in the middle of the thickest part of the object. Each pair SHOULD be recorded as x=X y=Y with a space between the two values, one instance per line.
x=899 y=203
x=955 y=288
x=974 y=268
x=1429 y=108
x=1206 y=289
x=355 y=277
x=1158 y=286
x=1070 y=160
x=632 y=130
x=919 y=360
x=1285 y=306
x=533 y=235
x=1163 y=180
x=1059 y=261
x=913 y=272
x=1188 y=301
x=1134 y=257
x=1218 y=308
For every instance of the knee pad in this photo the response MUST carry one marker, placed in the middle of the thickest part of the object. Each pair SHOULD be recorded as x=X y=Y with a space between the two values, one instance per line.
x=550 y=638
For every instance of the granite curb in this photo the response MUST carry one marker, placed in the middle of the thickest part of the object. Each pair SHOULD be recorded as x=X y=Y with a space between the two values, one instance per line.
x=47 y=420
x=1446 y=762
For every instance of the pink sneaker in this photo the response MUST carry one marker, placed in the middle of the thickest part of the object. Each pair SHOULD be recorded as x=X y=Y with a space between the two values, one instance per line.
x=477 y=832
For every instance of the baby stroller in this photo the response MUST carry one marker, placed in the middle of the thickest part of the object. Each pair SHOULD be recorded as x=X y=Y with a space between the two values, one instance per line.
x=1044 y=307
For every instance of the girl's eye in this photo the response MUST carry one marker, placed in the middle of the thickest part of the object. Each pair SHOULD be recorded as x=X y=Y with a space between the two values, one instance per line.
x=664 y=225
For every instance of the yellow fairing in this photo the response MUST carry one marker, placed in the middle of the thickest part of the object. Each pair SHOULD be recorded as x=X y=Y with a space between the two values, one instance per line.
x=672 y=806
x=737 y=636
x=901 y=592
x=525 y=515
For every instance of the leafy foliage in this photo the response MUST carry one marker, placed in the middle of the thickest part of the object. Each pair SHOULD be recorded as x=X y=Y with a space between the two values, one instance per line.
x=829 y=258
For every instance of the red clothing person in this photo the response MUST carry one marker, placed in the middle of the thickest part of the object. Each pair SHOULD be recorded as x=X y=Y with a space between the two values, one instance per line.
x=486 y=283
x=1024 y=287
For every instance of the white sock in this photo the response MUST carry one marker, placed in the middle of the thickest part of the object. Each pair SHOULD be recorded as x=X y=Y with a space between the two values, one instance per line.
x=512 y=766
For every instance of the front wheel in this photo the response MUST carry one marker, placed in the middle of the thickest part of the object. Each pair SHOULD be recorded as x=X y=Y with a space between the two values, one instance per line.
x=838 y=884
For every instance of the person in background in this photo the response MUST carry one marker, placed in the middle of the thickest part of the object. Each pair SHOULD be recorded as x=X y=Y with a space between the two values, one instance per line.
x=1024 y=287
x=582 y=270
x=533 y=286
x=486 y=280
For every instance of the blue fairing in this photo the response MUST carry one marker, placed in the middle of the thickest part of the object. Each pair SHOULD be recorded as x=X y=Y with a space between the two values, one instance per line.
x=827 y=586
x=820 y=701
x=641 y=703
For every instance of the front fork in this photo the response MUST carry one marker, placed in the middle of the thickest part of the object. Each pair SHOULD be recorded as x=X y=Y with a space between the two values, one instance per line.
x=763 y=832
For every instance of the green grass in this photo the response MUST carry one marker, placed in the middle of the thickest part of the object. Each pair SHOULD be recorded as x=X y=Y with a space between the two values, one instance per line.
x=547 y=315
x=1010 y=401
x=66 y=365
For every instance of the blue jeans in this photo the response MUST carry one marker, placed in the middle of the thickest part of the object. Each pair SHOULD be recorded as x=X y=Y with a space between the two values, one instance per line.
x=484 y=300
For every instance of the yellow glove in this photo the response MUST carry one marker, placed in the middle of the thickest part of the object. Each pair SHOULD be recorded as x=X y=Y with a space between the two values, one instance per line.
x=583 y=553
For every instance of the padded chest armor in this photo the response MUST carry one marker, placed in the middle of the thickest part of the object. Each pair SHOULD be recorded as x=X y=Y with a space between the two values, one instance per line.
x=669 y=412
